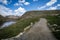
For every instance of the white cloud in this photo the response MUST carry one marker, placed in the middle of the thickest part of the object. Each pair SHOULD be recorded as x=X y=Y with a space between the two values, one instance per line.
x=4 y=1
x=52 y=8
x=5 y=11
x=16 y=4
x=21 y=3
x=41 y=7
x=58 y=5
x=51 y=2
x=26 y=3
x=20 y=11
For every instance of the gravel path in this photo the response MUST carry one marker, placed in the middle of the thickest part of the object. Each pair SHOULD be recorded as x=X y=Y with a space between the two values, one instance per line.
x=39 y=31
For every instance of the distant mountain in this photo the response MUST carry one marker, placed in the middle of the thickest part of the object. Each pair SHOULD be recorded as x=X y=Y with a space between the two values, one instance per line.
x=12 y=16
x=2 y=19
x=31 y=14
x=7 y=18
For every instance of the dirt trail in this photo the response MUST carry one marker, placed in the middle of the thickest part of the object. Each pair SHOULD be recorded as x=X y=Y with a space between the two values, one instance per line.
x=39 y=31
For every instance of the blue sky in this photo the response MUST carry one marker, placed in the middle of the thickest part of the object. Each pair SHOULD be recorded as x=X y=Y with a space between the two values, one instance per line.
x=19 y=7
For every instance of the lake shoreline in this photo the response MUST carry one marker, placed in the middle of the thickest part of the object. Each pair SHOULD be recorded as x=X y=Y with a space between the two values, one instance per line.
x=7 y=24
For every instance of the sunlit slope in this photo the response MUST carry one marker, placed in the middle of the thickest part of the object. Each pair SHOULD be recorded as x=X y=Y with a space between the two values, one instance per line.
x=24 y=21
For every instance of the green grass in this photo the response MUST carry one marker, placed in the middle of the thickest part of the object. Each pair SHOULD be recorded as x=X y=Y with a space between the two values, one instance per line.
x=25 y=21
x=15 y=29
x=2 y=20
x=55 y=20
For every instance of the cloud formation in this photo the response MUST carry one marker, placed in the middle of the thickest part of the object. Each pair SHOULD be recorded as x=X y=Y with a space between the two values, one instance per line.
x=26 y=3
x=4 y=1
x=18 y=4
x=21 y=3
x=6 y=11
x=49 y=4
x=20 y=11
x=58 y=5
x=52 y=8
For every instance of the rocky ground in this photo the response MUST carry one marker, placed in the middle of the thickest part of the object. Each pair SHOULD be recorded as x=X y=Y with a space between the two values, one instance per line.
x=39 y=31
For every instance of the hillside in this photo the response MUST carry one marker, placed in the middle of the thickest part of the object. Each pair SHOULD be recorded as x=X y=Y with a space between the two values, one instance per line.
x=24 y=21
x=7 y=18
x=39 y=31
x=31 y=14
x=2 y=20
x=12 y=17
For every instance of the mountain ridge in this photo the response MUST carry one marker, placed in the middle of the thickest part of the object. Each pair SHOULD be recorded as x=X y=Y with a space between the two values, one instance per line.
x=24 y=21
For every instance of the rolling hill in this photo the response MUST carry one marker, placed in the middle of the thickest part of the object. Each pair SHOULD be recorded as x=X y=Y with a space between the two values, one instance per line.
x=24 y=21
x=2 y=20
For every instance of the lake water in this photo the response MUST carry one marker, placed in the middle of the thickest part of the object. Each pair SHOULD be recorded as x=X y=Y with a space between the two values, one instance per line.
x=6 y=24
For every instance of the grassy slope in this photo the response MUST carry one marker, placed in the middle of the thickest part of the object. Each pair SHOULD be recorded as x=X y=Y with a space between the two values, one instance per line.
x=24 y=21
x=55 y=20
x=2 y=20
